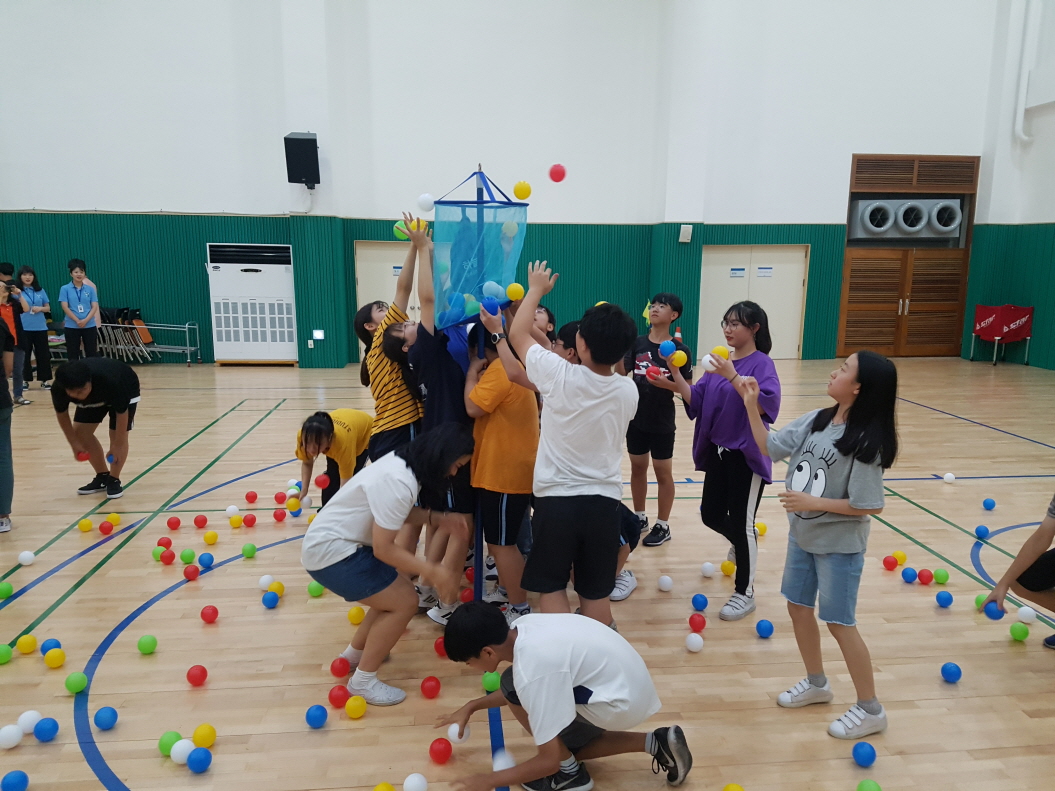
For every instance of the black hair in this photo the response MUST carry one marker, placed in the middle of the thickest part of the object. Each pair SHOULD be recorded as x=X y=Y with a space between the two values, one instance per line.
x=76 y=263
x=392 y=347
x=566 y=334
x=550 y=318
x=608 y=333
x=431 y=454
x=27 y=270
x=472 y=628
x=364 y=316
x=671 y=300
x=72 y=375
x=871 y=430
x=479 y=330
x=749 y=314
x=317 y=429
x=7 y=268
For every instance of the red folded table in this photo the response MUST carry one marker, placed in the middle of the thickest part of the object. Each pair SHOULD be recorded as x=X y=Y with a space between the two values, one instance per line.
x=1002 y=324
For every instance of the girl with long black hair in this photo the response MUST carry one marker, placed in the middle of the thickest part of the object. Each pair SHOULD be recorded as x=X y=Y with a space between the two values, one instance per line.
x=342 y=437
x=35 y=305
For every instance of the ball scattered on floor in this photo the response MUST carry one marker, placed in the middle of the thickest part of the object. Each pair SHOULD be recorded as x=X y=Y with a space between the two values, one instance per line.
x=231 y=510
x=113 y=518
x=944 y=599
x=265 y=582
x=105 y=718
x=26 y=644
x=452 y=734
x=76 y=682
x=6 y=589
x=206 y=560
x=46 y=730
x=1027 y=614
x=26 y=558
x=941 y=576
x=1019 y=632
x=665 y=583
x=951 y=672
x=439 y=751
x=167 y=740
x=697 y=623
x=694 y=642
x=250 y=497
x=316 y=716
x=84 y=525
x=200 y=521
x=430 y=687
x=270 y=600
x=415 y=782
x=48 y=644
x=993 y=612
x=156 y=552
x=908 y=574
x=205 y=735
x=340 y=667
x=181 y=751
x=249 y=550
x=981 y=597
x=279 y=514
x=356 y=615
x=249 y=520
x=762 y=528
x=28 y=720
x=235 y=521
x=197 y=675
x=868 y=785
x=699 y=602
x=15 y=781
x=277 y=587
x=55 y=658
x=10 y=736
x=764 y=629
x=355 y=707
x=210 y=537
x=173 y=522
x=168 y=557
x=949 y=477
x=338 y=696
x=186 y=556
x=191 y=572
x=199 y=760
x=864 y=754
x=982 y=532
x=5 y=653
x=728 y=568
x=890 y=562
x=900 y=556
x=707 y=570
x=106 y=528
x=315 y=589
x=925 y=576
x=209 y=613
x=280 y=497
x=988 y=503
x=440 y=648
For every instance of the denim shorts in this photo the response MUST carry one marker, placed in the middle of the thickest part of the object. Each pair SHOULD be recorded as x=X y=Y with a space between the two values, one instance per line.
x=358 y=576
x=835 y=576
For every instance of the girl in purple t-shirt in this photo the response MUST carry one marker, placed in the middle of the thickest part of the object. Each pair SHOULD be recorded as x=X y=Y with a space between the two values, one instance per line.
x=723 y=446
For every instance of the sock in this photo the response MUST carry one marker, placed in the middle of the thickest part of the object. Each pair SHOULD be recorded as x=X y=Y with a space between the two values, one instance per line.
x=641 y=515
x=818 y=680
x=569 y=766
x=871 y=706
x=662 y=523
x=522 y=607
x=650 y=743
x=360 y=678
x=353 y=655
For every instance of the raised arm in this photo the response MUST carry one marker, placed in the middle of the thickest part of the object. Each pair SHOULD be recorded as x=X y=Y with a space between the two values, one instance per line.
x=422 y=241
x=540 y=282
x=514 y=370
x=676 y=382
x=405 y=281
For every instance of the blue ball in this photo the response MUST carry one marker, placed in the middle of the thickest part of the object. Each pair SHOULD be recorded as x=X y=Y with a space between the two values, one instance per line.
x=490 y=304
x=48 y=644
x=981 y=531
x=316 y=716
x=205 y=560
x=199 y=760
x=764 y=628
x=106 y=718
x=951 y=672
x=667 y=348
x=699 y=602
x=300 y=485
x=864 y=754
x=993 y=611
x=988 y=503
x=109 y=458
x=270 y=600
x=908 y=574
x=296 y=513
x=46 y=730
x=15 y=781
x=944 y=599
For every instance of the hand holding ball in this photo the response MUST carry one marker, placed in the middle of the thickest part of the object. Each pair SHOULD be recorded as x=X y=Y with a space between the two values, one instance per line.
x=667 y=348
x=679 y=358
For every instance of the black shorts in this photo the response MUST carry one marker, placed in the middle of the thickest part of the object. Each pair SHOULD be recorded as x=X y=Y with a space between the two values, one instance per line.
x=580 y=533
x=1041 y=575
x=384 y=442
x=579 y=733
x=95 y=414
x=629 y=527
x=459 y=496
x=640 y=443
x=501 y=516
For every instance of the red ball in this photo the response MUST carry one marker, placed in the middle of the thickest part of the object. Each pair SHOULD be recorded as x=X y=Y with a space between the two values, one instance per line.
x=890 y=562
x=249 y=520
x=466 y=595
x=340 y=667
x=165 y=541
x=653 y=372
x=322 y=481
x=173 y=523
x=697 y=622
x=441 y=649
x=106 y=528
x=557 y=173
x=440 y=751
x=191 y=572
x=200 y=521
x=209 y=614
x=470 y=574
x=82 y=455
x=167 y=557
x=280 y=497
x=925 y=576
x=250 y=497
x=339 y=696
x=197 y=675
x=430 y=687
x=280 y=515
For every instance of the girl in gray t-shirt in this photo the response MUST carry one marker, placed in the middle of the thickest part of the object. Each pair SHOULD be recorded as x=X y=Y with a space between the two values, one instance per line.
x=835 y=481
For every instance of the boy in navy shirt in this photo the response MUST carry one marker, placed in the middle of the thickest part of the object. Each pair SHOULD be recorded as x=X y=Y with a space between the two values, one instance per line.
x=80 y=303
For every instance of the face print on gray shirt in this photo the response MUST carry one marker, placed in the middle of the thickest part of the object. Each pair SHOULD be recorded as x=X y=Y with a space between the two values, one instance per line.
x=811 y=473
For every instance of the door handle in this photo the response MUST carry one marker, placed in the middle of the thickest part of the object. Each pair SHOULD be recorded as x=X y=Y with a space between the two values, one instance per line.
x=907 y=303
x=900 y=302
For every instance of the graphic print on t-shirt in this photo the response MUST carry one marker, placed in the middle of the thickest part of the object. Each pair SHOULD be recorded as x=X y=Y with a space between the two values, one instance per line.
x=812 y=472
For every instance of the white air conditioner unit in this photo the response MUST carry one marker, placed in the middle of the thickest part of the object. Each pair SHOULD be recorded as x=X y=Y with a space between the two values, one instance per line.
x=905 y=218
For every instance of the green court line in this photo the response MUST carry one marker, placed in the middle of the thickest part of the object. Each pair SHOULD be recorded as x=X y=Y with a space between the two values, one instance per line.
x=91 y=572
x=104 y=501
x=941 y=518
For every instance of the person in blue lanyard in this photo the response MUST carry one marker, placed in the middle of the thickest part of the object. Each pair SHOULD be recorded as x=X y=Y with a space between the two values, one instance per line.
x=80 y=303
x=35 y=305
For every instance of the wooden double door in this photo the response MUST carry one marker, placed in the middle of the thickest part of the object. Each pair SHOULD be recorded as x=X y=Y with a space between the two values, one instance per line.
x=903 y=302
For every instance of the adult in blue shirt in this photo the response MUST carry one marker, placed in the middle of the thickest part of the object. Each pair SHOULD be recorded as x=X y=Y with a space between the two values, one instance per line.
x=35 y=305
x=80 y=303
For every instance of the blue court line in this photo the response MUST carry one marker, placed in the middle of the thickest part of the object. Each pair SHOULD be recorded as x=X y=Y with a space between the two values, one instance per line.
x=976 y=550
x=82 y=725
x=228 y=483
x=498 y=741
x=977 y=423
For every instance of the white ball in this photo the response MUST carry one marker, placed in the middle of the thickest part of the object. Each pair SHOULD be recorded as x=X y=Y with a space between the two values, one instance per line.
x=26 y=558
x=415 y=782
x=665 y=583
x=452 y=734
x=10 y=736
x=707 y=570
x=292 y=483
x=426 y=202
x=265 y=582
x=181 y=750
x=231 y=510
x=292 y=491
x=28 y=720
x=305 y=501
x=694 y=642
x=707 y=363
x=502 y=760
x=1027 y=614
x=493 y=289
x=949 y=477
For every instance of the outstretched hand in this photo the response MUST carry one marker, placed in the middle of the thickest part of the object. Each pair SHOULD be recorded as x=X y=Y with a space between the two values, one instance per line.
x=417 y=230
x=492 y=322
x=541 y=278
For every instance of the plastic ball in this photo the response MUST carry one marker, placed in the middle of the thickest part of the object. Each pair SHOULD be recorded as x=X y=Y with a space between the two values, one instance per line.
x=209 y=613
x=270 y=600
x=280 y=515
x=697 y=622
x=515 y=291
x=5 y=653
x=55 y=658
x=557 y=173
x=941 y=576
x=472 y=307
x=197 y=675
x=235 y=521
x=900 y=556
x=82 y=455
x=168 y=557
x=26 y=644
x=355 y=707
x=15 y=781
x=187 y=556
x=949 y=477
x=728 y=568
x=166 y=741
x=415 y=782
x=1027 y=614
x=248 y=550
x=293 y=483
x=951 y=672
x=925 y=576
x=384 y=787
x=356 y=615
x=764 y=629
x=28 y=720
x=679 y=358
x=491 y=682
x=439 y=751
x=84 y=525
x=295 y=513
x=293 y=504
x=426 y=202
x=75 y=682
x=210 y=537
x=501 y=760
x=46 y=730
x=522 y=190
x=452 y=734
x=694 y=642
x=699 y=602
x=181 y=751
x=205 y=735
x=315 y=589
x=1019 y=631
x=316 y=716
x=26 y=558
x=982 y=532
x=890 y=562
x=653 y=372
x=113 y=518
x=707 y=570
x=868 y=785
x=762 y=528
x=147 y=644
x=205 y=559
x=667 y=348
x=265 y=582
x=249 y=520
x=105 y=718
x=165 y=542
x=191 y=572
x=340 y=667
x=665 y=583
x=988 y=503
x=173 y=523
x=199 y=760
x=280 y=497
x=944 y=599
x=908 y=574
x=6 y=589
x=993 y=612
x=250 y=497
x=490 y=304
x=864 y=754
x=430 y=687
x=106 y=528
x=10 y=736
x=48 y=644
x=707 y=363
x=338 y=696
x=231 y=510
x=466 y=595
x=277 y=587
x=721 y=351
x=305 y=501
x=322 y=480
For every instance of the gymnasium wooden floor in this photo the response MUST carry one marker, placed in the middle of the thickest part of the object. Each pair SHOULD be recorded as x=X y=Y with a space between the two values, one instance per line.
x=204 y=436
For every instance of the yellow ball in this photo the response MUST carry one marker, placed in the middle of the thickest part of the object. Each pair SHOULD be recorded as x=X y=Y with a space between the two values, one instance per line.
x=900 y=557
x=356 y=708
x=515 y=291
x=114 y=519
x=728 y=567
x=204 y=735
x=311 y=518
x=356 y=615
x=84 y=525
x=210 y=536
x=56 y=657
x=602 y=302
x=522 y=190
x=419 y=225
x=236 y=520
x=733 y=787
x=761 y=528
x=27 y=644
x=721 y=351
x=277 y=587
x=384 y=787
x=293 y=504
x=679 y=358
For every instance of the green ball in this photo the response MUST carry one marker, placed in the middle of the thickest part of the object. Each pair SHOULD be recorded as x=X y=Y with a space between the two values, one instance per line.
x=187 y=556
x=6 y=589
x=5 y=653
x=981 y=597
x=941 y=576
x=315 y=589
x=492 y=681
x=156 y=552
x=76 y=682
x=147 y=644
x=248 y=550
x=1019 y=631
x=166 y=741
x=868 y=785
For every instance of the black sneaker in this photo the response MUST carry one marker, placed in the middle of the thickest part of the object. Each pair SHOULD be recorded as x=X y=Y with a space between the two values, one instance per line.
x=97 y=485
x=660 y=534
x=1049 y=641
x=644 y=522
x=113 y=488
x=561 y=781
x=672 y=754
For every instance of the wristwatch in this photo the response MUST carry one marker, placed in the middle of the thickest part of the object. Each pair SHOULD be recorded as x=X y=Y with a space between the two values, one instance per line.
x=497 y=336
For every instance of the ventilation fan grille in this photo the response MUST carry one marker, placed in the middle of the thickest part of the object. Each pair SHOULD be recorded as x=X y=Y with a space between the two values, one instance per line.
x=911 y=173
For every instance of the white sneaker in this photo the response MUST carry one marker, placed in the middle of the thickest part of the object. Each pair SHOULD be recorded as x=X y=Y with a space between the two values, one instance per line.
x=441 y=613
x=858 y=723
x=625 y=583
x=737 y=607
x=496 y=595
x=427 y=598
x=5 y=524
x=804 y=693
x=378 y=693
x=513 y=613
x=490 y=569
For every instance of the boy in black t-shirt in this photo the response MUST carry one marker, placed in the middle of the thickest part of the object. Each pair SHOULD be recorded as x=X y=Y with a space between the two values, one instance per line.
x=651 y=432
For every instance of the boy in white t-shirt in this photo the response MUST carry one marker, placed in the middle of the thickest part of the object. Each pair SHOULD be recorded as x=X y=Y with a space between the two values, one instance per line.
x=578 y=482
x=574 y=684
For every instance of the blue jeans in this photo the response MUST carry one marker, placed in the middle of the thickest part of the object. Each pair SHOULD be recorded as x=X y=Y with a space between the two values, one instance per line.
x=7 y=469
x=358 y=576
x=833 y=578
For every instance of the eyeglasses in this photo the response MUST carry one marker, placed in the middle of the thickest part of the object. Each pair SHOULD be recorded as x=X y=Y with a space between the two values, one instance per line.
x=731 y=325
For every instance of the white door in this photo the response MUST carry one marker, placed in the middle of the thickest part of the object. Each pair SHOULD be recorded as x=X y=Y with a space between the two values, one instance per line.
x=377 y=267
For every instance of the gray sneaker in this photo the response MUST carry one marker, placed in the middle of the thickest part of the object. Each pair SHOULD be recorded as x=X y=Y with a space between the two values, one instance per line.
x=737 y=607
x=625 y=583
x=378 y=693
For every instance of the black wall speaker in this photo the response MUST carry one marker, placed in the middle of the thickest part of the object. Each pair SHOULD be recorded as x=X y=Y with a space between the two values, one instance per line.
x=302 y=159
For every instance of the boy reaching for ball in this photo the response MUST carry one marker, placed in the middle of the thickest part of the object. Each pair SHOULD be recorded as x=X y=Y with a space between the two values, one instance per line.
x=574 y=685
